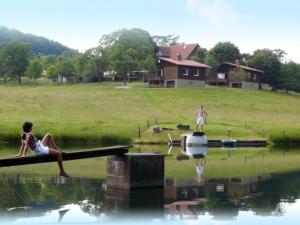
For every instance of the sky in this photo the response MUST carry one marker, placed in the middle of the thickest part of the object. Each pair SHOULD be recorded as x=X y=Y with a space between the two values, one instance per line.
x=79 y=24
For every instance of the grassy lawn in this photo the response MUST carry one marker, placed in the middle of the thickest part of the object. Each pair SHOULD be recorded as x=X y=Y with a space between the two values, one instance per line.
x=111 y=114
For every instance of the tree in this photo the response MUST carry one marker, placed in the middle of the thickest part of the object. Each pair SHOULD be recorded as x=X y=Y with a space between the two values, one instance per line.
x=200 y=55
x=123 y=60
x=290 y=77
x=48 y=60
x=167 y=40
x=65 y=67
x=225 y=52
x=35 y=69
x=268 y=61
x=52 y=72
x=16 y=59
x=237 y=75
x=2 y=64
x=213 y=63
x=129 y=50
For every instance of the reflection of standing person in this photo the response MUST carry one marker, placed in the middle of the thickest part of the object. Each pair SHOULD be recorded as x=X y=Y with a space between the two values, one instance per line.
x=201 y=117
x=200 y=171
x=40 y=147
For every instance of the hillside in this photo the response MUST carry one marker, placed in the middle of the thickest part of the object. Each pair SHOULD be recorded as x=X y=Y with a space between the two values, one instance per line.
x=40 y=45
x=109 y=114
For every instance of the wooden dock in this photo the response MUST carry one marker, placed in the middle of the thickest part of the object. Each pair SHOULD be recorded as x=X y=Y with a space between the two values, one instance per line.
x=82 y=154
x=239 y=143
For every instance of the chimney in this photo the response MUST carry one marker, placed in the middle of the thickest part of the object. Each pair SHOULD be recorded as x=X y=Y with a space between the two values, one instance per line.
x=178 y=57
x=237 y=62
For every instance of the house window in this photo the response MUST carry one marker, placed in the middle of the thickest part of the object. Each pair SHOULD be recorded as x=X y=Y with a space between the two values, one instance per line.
x=185 y=71
x=221 y=76
x=254 y=76
x=249 y=75
x=197 y=73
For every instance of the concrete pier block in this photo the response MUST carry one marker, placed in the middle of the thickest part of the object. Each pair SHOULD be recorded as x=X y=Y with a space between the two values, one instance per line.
x=135 y=170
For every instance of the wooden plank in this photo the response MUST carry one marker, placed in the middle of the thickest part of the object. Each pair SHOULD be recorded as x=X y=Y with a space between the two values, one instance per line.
x=82 y=154
x=239 y=143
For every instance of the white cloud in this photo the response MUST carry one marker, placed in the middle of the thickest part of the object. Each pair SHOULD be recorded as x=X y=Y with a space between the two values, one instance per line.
x=216 y=12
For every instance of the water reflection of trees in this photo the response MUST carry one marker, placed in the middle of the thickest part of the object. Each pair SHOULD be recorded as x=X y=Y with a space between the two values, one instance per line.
x=226 y=197
x=45 y=194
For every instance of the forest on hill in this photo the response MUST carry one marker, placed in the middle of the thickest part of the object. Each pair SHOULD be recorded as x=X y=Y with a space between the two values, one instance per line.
x=39 y=45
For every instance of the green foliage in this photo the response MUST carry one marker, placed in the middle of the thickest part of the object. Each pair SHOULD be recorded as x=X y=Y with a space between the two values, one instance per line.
x=167 y=40
x=51 y=72
x=129 y=50
x=213 y=63
x=94 y=62
x=200 y=55
x=39 y=45
x=225 y=52
x=237 y=75
x=65 y=67
x=35 y=69
x=15 y=58
x=269 y=62
x=290 y=76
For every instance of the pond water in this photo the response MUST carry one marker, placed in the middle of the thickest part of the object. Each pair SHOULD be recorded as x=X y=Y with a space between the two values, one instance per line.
x=186 y=198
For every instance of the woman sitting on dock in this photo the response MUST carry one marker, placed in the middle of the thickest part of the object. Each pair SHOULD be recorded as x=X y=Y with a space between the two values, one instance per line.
x=45 y=147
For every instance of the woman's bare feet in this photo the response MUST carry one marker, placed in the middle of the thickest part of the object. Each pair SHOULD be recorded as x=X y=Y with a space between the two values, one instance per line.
x=63 y=174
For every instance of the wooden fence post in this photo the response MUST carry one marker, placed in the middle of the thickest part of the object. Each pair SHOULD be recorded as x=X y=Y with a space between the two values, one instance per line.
x=229 y=133
x=139 y=132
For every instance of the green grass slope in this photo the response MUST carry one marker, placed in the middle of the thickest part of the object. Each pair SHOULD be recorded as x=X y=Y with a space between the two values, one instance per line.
x=111 y=114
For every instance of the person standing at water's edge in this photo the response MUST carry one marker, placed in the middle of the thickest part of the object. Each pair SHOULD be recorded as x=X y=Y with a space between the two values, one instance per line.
x=45 y=147
x=201 y=117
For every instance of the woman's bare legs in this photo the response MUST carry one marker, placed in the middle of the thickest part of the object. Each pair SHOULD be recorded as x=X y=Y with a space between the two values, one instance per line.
x=54 y=150
x=49 y=141
x=58 y=154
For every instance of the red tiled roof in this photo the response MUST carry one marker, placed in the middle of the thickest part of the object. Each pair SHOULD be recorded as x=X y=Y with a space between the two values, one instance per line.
x=185 y=62
x=172 y=51
x=243 y=67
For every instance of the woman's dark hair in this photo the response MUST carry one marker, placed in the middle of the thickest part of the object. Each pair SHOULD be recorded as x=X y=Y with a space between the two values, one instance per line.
x=26 y=128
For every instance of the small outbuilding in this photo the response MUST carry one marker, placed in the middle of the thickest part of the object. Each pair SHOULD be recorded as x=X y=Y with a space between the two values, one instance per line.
x=236 y=75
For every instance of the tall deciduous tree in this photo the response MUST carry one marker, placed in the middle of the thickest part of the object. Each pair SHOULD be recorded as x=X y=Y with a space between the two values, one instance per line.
x=65 y=67
x=52 y=72
x=35 y=69
x=268 y=61
x=16 y=59
x=167 y=40
x=225 y=52
x=128 y=50
x=290 y=77
x=200 y=55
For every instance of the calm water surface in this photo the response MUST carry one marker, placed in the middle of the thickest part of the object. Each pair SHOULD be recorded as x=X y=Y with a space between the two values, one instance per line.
x=42 y=199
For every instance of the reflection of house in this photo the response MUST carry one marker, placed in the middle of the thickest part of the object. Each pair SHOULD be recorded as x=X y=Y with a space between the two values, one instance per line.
x=236 y=76
x=222 y=197
x=176 y=69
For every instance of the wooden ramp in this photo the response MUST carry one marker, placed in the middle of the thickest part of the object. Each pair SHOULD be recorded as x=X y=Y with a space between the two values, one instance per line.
x=82 y=154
